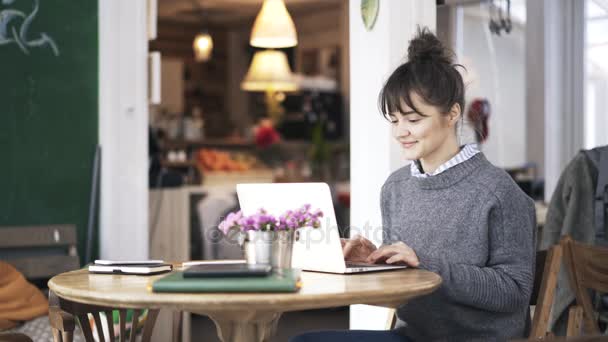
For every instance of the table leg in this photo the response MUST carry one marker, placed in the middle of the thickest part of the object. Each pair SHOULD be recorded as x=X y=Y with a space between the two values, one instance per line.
x=245 y=326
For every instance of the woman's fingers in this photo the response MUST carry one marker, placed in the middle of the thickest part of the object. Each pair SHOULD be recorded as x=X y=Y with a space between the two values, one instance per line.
x=350 y=246
x=357 y=249
x=403 y=258
x=396 y=259
x=368 y=243
x=381 y=253
x=397 y=252
x=357 y=241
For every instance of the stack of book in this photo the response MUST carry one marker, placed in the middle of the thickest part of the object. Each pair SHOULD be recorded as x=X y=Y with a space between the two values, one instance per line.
x=136 y=267
x=218 y=277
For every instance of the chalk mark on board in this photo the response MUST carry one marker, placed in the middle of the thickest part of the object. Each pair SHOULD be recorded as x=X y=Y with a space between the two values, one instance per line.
x=21 y=38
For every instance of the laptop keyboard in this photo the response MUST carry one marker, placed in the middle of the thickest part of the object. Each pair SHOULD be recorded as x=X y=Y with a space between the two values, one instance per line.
x=354 y=264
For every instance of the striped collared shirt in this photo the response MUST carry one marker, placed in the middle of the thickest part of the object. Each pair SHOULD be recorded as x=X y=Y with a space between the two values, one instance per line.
x=465 y=154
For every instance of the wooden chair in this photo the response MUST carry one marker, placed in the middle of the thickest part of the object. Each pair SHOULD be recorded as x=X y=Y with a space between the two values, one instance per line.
x=571 y=339
x=40 y=252
x=63 y=315
x=545 y=281
x=587 y=267
x=14 y=337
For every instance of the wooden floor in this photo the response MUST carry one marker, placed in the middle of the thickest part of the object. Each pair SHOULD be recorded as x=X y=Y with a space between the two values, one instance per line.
x=291 y=323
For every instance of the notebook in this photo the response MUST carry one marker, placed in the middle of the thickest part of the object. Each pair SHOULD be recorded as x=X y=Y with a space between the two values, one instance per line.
x=137 y=268
x=175 y=282
x=227 y=271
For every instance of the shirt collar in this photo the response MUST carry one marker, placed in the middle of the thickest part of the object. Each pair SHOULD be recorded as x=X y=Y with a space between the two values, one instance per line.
x=466 y=152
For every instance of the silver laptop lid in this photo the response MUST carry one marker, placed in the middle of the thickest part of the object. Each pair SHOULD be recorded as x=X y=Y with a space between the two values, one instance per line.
x=316 y=249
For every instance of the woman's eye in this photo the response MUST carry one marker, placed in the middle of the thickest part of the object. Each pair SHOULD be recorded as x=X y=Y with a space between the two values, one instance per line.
x=413 y=121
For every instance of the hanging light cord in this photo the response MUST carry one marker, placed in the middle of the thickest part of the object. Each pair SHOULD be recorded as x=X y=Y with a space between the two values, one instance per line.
x=199 y=6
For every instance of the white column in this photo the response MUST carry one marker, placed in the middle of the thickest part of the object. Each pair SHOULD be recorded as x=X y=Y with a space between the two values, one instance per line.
x=123 y=129
x=374 y=154
x=555 y=84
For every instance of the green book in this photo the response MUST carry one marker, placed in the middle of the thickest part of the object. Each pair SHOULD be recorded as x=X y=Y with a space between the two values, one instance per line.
x=175 y=282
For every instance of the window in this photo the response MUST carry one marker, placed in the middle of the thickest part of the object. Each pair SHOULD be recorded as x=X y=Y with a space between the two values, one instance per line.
x=596 y=73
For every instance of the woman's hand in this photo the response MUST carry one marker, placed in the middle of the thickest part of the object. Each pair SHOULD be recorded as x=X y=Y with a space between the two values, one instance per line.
x=357 y=249
x=397 y=253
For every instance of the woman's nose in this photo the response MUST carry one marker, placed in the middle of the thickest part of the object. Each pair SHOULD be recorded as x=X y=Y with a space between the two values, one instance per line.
x=402 y=130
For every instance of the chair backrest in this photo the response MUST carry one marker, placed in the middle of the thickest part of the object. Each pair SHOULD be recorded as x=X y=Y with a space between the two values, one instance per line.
x=587 y=267
x=14 y=337
x=545 y=282
x=40 y=252
x=62 y=315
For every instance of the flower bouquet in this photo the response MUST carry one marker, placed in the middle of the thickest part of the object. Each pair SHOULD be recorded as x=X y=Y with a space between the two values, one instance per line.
x=267 y=239
x=268 y=142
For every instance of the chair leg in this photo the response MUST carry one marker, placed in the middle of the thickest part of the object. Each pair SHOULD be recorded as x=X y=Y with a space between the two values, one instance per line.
x=177 y=326
x=123 y=323
x=110 y=321
x=85 y=325
x=68 y=336
x=56 y=335
x=134 y=321
x=575 y=321
x=62 y=324
x=149 y=325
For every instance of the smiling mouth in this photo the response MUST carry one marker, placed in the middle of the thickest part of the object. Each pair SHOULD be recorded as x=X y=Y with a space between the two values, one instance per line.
x=408 y=144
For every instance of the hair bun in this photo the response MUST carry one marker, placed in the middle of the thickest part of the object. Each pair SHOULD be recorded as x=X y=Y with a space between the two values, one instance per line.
x=426 y=47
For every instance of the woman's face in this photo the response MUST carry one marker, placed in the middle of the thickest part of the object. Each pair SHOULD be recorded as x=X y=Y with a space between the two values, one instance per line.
x=421 y=136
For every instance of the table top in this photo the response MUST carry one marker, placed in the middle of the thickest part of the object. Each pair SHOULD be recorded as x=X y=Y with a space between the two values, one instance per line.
x=319 y=290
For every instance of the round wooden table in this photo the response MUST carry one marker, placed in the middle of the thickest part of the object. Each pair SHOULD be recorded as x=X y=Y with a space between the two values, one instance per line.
x=248 y=316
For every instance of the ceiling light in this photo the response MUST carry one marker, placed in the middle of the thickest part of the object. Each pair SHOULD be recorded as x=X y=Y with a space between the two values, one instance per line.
x=273 y=27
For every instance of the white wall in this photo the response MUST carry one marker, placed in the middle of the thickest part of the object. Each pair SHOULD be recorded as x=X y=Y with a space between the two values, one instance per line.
x=123 y=129
x=496 y=66
x=374 y=154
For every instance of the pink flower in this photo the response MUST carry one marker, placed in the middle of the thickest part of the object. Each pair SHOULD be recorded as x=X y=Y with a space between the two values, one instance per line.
x=232 y=221
x=262 y=221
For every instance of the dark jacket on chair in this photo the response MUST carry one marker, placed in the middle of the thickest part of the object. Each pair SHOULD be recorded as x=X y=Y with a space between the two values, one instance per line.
x=571 y=211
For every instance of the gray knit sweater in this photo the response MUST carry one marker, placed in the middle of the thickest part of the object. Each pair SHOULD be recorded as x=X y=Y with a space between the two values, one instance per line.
x=474 y=227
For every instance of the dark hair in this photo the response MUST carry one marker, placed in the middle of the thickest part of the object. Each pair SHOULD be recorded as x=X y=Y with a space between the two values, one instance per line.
x=429 y=72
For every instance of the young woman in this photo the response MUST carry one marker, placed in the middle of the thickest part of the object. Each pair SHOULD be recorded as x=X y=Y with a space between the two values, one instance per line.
x=451 y=212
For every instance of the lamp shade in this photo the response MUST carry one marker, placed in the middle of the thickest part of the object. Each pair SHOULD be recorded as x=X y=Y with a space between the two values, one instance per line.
x=269 y=70
x=202 y=45
x=273 y=27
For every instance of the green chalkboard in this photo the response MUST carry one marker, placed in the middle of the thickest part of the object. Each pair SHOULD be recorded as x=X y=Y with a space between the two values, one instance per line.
x=48 y=111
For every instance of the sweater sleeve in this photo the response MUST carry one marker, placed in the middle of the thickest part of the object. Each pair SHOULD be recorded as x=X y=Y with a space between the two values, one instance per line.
x=504 y=283
x=571 y=207
x=388 y=234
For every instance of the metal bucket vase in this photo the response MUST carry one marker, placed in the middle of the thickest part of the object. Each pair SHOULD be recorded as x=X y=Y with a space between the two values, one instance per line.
x=257 y=247
x=282 y=250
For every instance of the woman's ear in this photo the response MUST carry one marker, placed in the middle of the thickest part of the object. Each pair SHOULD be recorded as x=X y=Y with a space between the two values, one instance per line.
x=454 y=114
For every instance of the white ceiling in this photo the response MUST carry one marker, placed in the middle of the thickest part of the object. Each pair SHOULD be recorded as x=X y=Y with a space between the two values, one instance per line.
x=232 y=12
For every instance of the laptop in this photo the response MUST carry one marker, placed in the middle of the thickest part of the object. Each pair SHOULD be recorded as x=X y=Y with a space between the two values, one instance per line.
x=314 y=249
